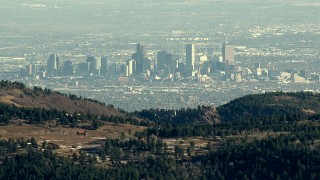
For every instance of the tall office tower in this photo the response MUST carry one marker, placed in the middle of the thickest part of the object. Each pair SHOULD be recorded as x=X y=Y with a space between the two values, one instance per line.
x=139 y=57
x=96 y=66
x=131 y=67
x=67 y=69
x=147 y=65
x=90 y=60
x=104 y=66
x=29 y=69
x=166 y=62
x=173 y=64
x=190 y=59
x=228 y=54
x=53 y=65
x=161 y=56
x=84 y=68
x=115 y=68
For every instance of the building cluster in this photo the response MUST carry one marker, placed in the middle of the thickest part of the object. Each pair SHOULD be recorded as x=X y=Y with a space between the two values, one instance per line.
x=168 y=66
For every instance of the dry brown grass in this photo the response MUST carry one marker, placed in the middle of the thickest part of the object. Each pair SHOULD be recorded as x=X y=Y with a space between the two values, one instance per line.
x=66 y=138
x=283 y=97
x=25 y=98
x=8 y=99
x=308 y=111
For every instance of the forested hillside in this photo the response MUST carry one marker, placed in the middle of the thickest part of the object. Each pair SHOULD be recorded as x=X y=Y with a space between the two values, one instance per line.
x=292 y=156
x=275 y=107
x=264 y=136
x=15 y=93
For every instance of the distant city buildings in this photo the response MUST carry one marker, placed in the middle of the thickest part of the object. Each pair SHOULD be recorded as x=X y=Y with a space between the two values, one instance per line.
x=53 y=65
x=228 y=54
x=166 y=63
x=131 y=67
x=139 y=56
x=190 y=59
x=167 y=66
x=104 y=66
x=67 y=69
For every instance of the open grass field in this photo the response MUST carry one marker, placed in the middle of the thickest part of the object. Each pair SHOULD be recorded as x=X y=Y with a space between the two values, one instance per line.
x=67 y=138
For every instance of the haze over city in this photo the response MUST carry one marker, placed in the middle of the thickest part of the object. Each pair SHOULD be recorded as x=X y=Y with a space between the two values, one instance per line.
x=159 y=89
x=275 y=49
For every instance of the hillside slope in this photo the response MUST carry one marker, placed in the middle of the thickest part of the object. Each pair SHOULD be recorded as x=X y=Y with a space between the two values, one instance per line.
x=275 y=107
x=39 y=98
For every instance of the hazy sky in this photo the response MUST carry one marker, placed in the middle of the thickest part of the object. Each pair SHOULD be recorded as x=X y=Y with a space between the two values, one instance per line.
x=145 y=16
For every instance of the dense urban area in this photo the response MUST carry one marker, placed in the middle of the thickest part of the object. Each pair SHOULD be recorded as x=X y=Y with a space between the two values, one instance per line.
x=138 y=57
x=159 y=89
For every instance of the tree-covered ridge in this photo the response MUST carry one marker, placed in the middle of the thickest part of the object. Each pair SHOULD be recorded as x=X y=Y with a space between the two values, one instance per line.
x=260 y=142
x=180 y=116
x=278 y=107
x=295 y=155
x=17 y=94
x=42 y=114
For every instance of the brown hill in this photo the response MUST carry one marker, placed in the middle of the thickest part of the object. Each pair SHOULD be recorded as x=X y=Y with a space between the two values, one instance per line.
x=38 y=98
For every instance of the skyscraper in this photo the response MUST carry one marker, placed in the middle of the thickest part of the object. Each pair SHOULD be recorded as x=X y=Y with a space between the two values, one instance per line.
x=104 y=67
x=29 y=69
x=228 y=54
x=131 y=67
x=90 y=61
x=139 y=57
x=67 y=68
x=147 y=64
x=166 y=62
x=53 y=65
x=161 y=60
x=190 y=59
x=96 y=66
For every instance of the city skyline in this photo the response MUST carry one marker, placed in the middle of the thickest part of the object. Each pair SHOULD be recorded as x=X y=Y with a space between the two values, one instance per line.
x=283 y=42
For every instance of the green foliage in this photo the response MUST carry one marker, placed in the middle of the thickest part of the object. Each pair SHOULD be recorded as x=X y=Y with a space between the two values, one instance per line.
x=272 y=108
x=272 y=158
x=182 y=116
x=293 y=153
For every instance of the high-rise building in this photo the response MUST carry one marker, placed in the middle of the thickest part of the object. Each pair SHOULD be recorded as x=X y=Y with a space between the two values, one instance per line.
x=115 y=68
x=228 y=54
x=104 y=67
x=29 y=69
x=147 y=64
x=53 y=65
x=166 y=62
x=161 y=60
x=90 y=61
x=131 y=67
x=67 y=69
x=96 y=66
x=190 y=58
x=84 y=68
x=139 y=57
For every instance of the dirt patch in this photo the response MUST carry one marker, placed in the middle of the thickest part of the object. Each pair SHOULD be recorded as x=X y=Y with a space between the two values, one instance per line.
x=278 y=98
